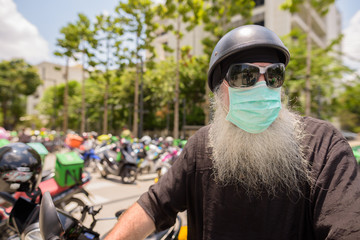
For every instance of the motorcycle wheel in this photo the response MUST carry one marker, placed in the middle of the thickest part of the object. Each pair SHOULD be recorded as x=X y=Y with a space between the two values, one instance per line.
x=129 y=174
x=73 y=206
x=101 y=169
x=111 y=168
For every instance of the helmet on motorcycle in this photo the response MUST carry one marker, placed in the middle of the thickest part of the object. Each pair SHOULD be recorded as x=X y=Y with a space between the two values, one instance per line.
x=169 y=141
x=20 y=168
x=146 y=140
x=240 y=42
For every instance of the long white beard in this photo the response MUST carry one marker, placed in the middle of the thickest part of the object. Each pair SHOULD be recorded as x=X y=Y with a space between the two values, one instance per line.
x=269 y=161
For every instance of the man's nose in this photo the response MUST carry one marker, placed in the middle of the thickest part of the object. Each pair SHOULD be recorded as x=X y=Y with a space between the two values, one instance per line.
x=261 y=78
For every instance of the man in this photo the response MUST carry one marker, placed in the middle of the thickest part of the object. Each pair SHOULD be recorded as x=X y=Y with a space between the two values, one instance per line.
x=258 y=171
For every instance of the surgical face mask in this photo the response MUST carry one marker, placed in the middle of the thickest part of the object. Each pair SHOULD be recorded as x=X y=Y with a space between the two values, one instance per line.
x=254 y=109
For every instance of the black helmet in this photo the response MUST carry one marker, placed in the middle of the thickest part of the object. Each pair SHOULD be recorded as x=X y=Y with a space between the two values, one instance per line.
x=239 y=40
x=20 y=168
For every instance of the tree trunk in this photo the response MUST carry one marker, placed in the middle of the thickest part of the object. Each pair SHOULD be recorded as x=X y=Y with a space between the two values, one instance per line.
x=105 y=119
x=177 y=83
x=136 y=103
x=82 y=126
x=106 y=95
x=4 y=112
x=66 y=93
x=308 y=64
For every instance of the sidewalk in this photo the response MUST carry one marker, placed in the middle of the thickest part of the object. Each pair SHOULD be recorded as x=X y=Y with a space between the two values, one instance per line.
x=354 y=142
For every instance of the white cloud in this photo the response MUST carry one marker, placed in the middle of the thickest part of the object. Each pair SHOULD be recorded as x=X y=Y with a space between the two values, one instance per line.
x=351 y=43
x=18 y=37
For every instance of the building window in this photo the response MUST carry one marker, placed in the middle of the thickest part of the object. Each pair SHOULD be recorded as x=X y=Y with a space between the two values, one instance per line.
x=259 y=3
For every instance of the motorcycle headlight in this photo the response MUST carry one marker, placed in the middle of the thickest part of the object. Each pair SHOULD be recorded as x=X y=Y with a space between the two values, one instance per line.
x=33 y=235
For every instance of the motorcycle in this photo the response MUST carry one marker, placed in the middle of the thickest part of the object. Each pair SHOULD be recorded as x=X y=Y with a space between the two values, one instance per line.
x=166 y=160
x=63 y=196
x=119 y=161
x=57 y=224
x=19 y=218
x=94 y=155
x=148 y=158
x=23 y=220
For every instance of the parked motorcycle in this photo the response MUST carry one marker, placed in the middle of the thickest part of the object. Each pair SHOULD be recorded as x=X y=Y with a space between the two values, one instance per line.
x=23 y=221
x=20 y=171
x=64 y=197
x=56 y=224
x=93 y=154
x=166 y=160
x=20 y=176
x=120 y=161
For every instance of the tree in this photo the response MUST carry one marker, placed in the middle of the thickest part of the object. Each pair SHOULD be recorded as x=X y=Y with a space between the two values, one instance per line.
x=69 y=45
x=192 y=76
x=87 y=41
x=183 y=12
x=321 y=7
x=138 y=15
x=327 y=71
x=17 y=80
x=46 y=105
x=348 y=110
x=109 y=31
x=217 y=20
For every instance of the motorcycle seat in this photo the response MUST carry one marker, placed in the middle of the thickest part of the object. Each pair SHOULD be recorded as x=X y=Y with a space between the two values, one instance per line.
x=50 y=185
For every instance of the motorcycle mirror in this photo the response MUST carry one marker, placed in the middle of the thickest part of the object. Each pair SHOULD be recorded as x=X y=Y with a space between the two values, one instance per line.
x=50 y=225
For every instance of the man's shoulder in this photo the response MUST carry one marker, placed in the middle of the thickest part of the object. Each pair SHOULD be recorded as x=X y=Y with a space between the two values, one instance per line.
x=200 y=137
x=320 y=127
x=198 y=149
x=321 y=134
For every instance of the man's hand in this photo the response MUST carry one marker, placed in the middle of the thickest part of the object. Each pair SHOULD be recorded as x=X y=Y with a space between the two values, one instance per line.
x=133 y=224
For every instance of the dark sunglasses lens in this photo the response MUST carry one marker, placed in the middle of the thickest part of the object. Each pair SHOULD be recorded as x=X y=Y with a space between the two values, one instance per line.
x=241 y=75
x=275 y=75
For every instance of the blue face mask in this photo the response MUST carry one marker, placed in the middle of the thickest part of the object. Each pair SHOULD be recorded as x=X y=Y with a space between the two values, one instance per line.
x=254 y=109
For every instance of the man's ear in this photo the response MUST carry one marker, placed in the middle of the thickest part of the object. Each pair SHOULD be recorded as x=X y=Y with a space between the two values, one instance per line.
x=224 y=93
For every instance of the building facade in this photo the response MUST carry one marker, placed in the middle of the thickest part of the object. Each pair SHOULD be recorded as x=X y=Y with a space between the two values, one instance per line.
x=52 y=75
x=266 y=13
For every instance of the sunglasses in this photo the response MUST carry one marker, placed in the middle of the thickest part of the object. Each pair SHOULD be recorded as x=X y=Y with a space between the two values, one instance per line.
x=242 y=75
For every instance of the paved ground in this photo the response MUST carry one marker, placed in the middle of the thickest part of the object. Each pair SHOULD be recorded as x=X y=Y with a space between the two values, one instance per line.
x=354 y=142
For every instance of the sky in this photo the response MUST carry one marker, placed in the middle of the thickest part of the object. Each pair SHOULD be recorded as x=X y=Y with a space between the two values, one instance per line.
x=29 y=29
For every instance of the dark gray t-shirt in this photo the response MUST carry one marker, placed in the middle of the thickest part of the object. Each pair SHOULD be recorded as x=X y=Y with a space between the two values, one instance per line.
x=330 y=210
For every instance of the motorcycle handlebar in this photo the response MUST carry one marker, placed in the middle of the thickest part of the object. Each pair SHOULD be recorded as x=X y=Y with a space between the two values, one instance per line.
x=8 y=197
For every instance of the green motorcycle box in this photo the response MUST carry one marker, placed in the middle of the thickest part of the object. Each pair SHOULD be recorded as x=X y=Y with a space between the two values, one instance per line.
x=68 y=169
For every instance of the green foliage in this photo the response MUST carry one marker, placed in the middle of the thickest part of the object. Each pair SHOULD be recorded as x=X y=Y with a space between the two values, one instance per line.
x=69 y=42
x=52 y=104
x=140 y=28
x=17 y=80
x=326 y=71
x=321 y=6
x=217 y=19
x=348 y=108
